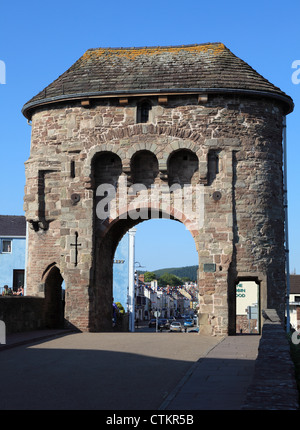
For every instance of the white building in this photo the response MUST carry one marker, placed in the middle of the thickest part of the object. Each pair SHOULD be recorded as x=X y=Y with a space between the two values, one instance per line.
x=295 y=301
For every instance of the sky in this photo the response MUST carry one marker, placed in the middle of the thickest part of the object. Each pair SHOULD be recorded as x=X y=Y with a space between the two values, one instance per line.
x=39 y=41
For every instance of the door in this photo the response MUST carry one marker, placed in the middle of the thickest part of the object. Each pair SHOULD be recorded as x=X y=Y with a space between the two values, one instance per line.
x=18 y=279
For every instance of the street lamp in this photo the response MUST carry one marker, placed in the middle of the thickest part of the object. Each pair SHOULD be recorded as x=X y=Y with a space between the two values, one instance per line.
x=136 y=284
x=131 y=264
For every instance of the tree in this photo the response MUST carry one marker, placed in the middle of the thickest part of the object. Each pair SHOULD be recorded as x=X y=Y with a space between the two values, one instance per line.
x=169 y=279
x=149 y=276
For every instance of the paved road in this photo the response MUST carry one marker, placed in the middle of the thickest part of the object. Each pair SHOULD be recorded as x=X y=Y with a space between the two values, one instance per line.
x=98 y=370
x=218 y=381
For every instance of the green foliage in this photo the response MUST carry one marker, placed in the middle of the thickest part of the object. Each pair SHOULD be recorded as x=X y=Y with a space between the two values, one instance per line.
x=174 y=276
x=149 y=276
x=120 y=307
x=169 y=279
x=189 y=272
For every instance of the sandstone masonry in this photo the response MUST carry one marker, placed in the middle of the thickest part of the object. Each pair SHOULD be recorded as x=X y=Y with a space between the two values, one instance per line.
x=229 y=143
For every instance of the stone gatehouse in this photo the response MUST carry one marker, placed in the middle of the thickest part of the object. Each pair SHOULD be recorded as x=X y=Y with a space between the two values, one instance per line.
x=192 y=115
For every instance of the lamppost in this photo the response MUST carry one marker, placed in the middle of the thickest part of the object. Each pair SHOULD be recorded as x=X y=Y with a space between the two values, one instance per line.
x=137 y=290
x=131 y=298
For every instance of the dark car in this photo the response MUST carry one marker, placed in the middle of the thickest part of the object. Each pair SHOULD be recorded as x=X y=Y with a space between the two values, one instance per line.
x=152 y=322
x=163 y=323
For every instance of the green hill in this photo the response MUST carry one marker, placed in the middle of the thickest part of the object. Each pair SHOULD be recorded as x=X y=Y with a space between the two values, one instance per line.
x=182 y=272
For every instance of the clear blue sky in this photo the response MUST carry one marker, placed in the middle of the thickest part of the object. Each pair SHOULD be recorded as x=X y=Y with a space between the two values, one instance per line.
x=39 y=41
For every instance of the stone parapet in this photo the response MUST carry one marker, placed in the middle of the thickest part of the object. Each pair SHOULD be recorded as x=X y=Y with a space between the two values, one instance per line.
x=274 y=385
x=22 y=313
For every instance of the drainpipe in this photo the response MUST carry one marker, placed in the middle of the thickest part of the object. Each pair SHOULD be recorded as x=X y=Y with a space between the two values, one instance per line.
x=285 y=200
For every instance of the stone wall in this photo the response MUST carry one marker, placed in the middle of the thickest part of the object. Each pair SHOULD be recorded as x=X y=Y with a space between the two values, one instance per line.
x=274 y=386
x=230 y=145
x=22 y=313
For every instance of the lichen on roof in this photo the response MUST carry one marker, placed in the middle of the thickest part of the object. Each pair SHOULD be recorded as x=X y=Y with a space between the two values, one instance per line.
x=134 y=53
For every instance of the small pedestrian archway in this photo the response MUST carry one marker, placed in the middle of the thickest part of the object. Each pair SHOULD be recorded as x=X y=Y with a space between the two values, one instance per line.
x=54 y=298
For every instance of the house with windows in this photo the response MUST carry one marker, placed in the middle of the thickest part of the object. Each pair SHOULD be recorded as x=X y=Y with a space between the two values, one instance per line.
x=12 y=251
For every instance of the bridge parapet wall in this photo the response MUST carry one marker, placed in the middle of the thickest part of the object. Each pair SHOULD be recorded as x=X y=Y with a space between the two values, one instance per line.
x=22 y=313
x=274 y=384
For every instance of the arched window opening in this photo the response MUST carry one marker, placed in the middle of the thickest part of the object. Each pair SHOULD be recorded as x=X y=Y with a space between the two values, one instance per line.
x=181 y=167
x=107 y=168
x=144 y=168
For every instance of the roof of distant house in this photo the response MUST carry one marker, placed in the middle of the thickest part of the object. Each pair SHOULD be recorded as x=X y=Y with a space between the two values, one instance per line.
x=12 y=225
x=200 y=68
x=294 y=284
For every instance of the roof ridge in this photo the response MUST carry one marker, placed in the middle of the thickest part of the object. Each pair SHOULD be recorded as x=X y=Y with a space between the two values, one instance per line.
x=156 y=46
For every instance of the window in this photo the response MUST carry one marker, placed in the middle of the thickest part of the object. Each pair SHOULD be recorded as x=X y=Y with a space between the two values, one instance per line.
x=213 y=165
x=143 y=111
x=6 y=246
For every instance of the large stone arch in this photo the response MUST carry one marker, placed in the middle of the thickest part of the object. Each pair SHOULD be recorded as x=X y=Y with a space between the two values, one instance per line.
x=106 y=243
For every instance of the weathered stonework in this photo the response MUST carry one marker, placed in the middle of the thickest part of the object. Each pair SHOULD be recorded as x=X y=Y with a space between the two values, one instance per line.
x=231 y=145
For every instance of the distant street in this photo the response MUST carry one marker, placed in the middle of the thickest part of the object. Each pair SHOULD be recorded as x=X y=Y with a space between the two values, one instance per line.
x=105 y=371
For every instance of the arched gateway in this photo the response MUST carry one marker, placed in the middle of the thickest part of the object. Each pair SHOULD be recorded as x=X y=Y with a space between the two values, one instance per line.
x=189 y=132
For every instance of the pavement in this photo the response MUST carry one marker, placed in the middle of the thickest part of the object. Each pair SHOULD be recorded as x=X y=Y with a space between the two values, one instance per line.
x=63 y=370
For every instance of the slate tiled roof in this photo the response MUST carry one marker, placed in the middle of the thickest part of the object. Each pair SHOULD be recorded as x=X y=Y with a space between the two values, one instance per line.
x=294 y=284
x=12 y=225
x=111 y=71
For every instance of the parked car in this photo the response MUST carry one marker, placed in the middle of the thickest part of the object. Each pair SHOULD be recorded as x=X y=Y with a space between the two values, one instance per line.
x=152 y=322
x=163 y=323
x=188 y=323
x=175 y=326
x=194 y=330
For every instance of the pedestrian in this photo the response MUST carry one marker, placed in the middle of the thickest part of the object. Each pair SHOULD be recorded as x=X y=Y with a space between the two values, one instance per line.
x=20 y=291
x=115 y=313
x=7 y=291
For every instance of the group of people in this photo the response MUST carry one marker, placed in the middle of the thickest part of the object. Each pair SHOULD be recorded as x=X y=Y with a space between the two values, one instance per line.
x=9 y=292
